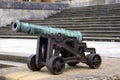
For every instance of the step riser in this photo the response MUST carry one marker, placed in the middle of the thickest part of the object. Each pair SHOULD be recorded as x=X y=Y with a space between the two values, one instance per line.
x=95 y=39
x=102 y=35
x=86 y=15
x=5 y=66
x=11 y=61
x=88 y=38
x=13 y=58
x=76 y=18
x=72 y=28
x=75 y=21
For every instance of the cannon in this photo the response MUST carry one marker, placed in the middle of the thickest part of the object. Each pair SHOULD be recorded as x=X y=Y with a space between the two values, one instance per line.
x=57 y=47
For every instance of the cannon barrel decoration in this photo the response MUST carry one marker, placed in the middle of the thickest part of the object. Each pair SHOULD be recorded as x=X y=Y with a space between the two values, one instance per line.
x=56 y=46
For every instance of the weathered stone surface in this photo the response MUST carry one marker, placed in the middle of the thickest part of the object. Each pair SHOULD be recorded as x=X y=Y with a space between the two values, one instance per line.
x=10 y=11
x=9 y=15
x=109 y=70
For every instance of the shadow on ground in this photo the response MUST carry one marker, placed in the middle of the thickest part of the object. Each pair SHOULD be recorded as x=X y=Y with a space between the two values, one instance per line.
x=2 y=78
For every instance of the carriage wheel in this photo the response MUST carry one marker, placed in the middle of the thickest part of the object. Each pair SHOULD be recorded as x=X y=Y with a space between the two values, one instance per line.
x=31 y=63
x=56 y=65
x=94 y=61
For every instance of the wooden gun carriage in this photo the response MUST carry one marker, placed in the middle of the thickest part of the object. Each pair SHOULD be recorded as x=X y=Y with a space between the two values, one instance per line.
x=55 y=47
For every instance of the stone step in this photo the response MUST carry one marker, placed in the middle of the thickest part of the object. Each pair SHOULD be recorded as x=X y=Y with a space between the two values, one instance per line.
x=98 y=31
x=107 y=10
x=92 y=28
x=91 y=25
x=84 y=32
x=6 y=27
x=91 y=13
x=111 y=6
x=77 y=23
x=101 y=39
x=71 y=20
x=95 y=38
x=5 y=64
x=74 y=19
x=15 y=57
x=85 y=15
x=101 y=35
x=79 y=18
x=18 y=36
x=77 y=28
x=10 y=33
x=92 y=8
x=88 y=30
x=82 y=18
x=8 y=59
x=68 y=22
x=74 y=27
x=79 y=9
x=71 y=28
x=95 y=10
x=112 y=33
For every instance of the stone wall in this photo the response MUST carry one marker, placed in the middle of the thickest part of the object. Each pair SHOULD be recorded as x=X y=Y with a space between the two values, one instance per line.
x=11 y=11
x=79 y=3
x=109 y=1
x=9 y=15
x=117 y=1
x=112 y=1
x=99 y=1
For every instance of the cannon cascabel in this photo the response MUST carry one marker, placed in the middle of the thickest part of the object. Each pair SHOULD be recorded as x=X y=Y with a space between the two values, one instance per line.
x=44 y=30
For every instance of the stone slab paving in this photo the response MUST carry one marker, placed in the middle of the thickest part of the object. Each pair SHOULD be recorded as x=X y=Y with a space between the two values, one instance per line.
x=109 y=70
x=26 y=47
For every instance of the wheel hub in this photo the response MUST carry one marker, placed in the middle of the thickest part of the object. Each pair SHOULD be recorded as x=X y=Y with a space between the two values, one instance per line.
x=58 y=65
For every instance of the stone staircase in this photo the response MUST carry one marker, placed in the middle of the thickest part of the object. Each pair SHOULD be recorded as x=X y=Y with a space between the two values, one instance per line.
x=93 y=28
x=101 y=22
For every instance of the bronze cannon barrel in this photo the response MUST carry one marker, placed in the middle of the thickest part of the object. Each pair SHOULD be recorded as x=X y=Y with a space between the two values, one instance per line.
x=44 y=30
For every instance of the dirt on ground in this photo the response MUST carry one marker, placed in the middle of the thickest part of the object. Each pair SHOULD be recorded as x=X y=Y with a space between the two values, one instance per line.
x=109 y=70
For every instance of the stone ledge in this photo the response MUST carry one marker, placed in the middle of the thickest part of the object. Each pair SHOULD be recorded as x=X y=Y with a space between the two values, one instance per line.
x=109 y=70
x=33 y=5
